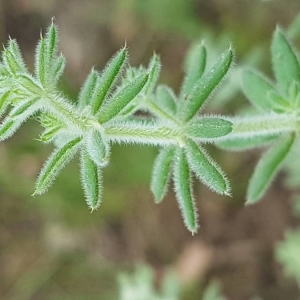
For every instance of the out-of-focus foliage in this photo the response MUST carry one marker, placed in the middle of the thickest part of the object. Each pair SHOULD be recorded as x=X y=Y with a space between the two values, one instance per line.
x=176 y=16
x=287 y=253
x=141 y=285
x=213 y=292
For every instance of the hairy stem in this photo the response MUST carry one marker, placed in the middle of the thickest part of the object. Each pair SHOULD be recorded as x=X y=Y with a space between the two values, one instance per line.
x=134 y=132
x=264 y=125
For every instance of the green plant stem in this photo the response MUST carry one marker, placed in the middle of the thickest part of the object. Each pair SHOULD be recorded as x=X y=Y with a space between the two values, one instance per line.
x=155 y=134
x=264 y=125
x=144 y=133
x=134 y=132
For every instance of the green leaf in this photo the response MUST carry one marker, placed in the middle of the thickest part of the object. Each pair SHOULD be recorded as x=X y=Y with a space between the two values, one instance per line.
x=294 y=95
x=4 y=101
x=240 y=143
x=257 y=89
x=205 y=85
x=91 y=178
x=209 y=127
x=58 y=69
x=29 y=84
x=107 y=79
x=51 y=43
x=194 y=70
x=7 y=129
x=3 y=70
x=55 y=163
x=17 y=116
x=166 y=99
x=10 y=62
x=40 y=61
x=206 y=169
x=23 y=107
x=183 y=189
x=285 y=62
x=278 y=104
x=97 y=148
x=122 y=98
x=48 y=135
x=14 y=49
x=267 y=168
x=161 y=173
x=87 y=89
x=54 y=64
x=154 y=72
x=49 y=120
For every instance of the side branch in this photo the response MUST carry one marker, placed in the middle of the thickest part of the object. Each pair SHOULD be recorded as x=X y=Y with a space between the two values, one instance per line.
x=143 y=133
x=263 y=125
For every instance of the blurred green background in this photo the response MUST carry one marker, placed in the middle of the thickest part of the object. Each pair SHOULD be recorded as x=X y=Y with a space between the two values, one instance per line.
x=52 y=247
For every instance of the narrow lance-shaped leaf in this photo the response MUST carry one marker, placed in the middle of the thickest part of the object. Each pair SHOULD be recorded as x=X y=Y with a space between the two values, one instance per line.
x=209 y=128
x=10 y=62
x=51 y=43
x=161 y=173
x=14 y=49
x=294 y=95
x=3 y=71
x=166 y=99
x=97 y=148
x=50 y=58
x=55 y=163
x=49 y=120
x=17 y=116
x=7 y=129
x=91 y=178
x=122 y=98
x=278 y=103
x=195 y=69
x=29 y=84
x=257 y=89
x=48 y=135
x=40 y=61
x=4 y=101
x=285 y=62
x=23 y=107
x=206 y=169
x=267 y=168
x=183 y=189
x=154 y=72
x=87 y=89
x=58 y=69
x=108 y=77
x=205 y=85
